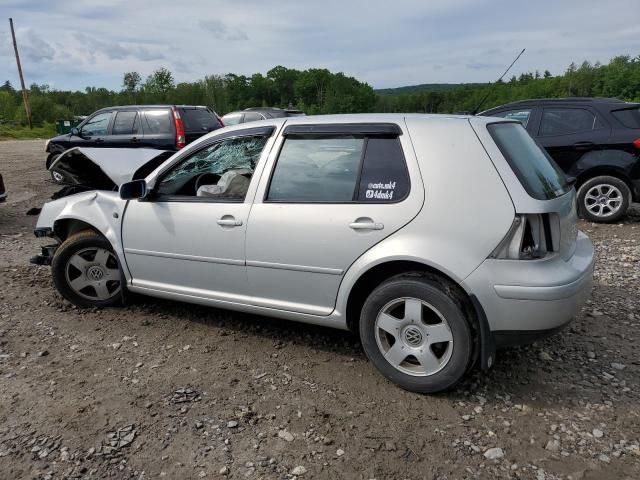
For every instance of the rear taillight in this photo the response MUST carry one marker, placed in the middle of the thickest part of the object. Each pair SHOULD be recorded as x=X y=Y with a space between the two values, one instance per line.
x=636 y=143
x=220 y=120
x=180 y=138
x=530 y=237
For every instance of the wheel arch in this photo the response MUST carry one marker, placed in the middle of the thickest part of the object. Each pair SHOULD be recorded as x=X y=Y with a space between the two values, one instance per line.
x=65 y=227
x=374 y=276
x=602 y=170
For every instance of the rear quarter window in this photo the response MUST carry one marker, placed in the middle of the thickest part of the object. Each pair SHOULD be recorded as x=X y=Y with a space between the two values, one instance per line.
x=157 y=121
x=538 y=173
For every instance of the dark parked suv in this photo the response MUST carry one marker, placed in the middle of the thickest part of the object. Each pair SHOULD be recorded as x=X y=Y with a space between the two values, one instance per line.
x=594 y=140
x=164 y=127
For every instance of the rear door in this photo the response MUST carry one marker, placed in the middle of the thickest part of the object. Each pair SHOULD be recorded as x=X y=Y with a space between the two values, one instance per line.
x=567 y=133
x=329 y=193
x=126 y=131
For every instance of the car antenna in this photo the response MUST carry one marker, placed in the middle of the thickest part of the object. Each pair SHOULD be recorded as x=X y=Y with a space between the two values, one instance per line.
x=484 y=99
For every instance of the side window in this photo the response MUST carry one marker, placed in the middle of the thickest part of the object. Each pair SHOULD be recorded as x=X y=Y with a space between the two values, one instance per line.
x=125 y=123
x=97 y=125
x=340 y=169
x=157 y=121
x=221 y=171
x=384 y=176
x=522 y=115
x=563 y=121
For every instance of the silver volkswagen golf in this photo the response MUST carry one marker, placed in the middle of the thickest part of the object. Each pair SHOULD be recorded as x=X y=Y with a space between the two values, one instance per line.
x=435 y=238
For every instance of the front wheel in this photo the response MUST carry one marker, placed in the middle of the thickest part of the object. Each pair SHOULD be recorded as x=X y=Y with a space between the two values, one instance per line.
x=55 y=176
x=415 y=331
x=86 y=271
x=604 y=199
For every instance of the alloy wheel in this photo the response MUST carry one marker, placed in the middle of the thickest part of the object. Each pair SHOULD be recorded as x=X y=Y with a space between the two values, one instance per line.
x=93 y=274
x=413 y=336
x=603 y=200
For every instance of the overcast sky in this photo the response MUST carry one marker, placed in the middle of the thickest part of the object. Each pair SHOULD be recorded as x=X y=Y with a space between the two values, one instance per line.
x=71 y=44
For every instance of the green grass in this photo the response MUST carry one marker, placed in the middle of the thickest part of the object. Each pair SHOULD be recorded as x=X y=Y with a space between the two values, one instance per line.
x=47 y=130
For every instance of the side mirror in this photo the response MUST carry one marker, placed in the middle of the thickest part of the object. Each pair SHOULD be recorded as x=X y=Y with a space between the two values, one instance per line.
x=75 y=131
x=133 y=190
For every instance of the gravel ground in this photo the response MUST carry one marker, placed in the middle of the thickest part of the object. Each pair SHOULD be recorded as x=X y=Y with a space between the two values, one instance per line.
x=162 y=389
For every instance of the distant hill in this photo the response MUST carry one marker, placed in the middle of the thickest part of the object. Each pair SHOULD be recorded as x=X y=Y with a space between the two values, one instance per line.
x=425 y=87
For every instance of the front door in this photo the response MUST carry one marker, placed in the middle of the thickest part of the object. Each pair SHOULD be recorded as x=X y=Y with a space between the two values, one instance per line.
x=94 y=131
x=335 y=191
x=189 y=237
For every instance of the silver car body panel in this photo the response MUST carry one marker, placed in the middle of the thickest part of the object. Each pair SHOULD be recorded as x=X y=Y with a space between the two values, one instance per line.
x=464 y=197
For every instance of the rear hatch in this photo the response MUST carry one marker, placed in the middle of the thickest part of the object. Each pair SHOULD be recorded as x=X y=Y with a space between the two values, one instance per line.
x=544 y=199
x=198 y=121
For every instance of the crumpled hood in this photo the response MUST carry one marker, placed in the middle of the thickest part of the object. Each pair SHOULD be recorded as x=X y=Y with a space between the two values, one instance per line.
x=107 y=168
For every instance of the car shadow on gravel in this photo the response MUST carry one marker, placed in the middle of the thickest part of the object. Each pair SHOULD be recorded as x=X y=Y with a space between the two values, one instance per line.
x=516 y=369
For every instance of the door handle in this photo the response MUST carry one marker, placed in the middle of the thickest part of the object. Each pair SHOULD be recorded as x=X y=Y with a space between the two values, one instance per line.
x=229 y=221
x=583 y=145
x=99 y=140
x=134 y=139
x=365 y=224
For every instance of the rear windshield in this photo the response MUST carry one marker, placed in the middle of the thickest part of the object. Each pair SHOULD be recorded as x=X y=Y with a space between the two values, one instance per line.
x=539 y=174
x=629 y=117
x=198 y=119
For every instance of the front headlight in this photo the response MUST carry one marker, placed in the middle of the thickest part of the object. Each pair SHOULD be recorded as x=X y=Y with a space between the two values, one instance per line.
x=46 y=145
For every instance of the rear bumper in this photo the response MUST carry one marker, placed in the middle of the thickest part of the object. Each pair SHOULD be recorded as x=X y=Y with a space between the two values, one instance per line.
x=525 y=300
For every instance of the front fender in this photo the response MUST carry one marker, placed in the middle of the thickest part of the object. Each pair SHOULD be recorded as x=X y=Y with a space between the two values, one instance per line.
x=101 y=209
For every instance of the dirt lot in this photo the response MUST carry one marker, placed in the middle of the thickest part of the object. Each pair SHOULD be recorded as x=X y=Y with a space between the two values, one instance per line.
x=177 y=391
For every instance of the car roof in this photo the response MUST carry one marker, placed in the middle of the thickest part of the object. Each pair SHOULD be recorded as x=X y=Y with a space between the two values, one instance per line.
x=123 y=107
x=564 y=100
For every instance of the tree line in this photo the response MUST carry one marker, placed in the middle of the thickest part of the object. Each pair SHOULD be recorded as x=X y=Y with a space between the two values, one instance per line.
x=319 y=91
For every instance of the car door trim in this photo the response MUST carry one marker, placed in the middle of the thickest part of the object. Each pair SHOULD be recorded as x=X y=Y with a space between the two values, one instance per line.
x=180 y=256
x=295 y=268
x=344 y=129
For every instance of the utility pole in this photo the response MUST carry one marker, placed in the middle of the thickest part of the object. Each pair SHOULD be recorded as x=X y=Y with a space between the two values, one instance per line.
x=25 y=95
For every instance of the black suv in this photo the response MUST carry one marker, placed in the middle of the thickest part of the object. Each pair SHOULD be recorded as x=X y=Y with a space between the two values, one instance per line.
x=164 y=127
x=258 y=113
x=594 y=140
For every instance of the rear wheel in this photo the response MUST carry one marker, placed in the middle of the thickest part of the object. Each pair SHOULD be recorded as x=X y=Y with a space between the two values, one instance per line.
x=86 y=271
x=604 y=199
x=415 y=331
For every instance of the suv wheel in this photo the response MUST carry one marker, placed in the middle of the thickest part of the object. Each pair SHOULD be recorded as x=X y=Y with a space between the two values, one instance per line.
x=604 y=199
x=86 y=271
x=57 y=177
x=416 y=333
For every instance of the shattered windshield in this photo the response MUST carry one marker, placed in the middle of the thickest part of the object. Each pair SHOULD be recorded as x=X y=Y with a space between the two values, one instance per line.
x=232 y=154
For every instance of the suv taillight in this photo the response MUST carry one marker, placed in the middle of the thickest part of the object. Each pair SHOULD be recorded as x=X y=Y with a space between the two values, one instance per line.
x=529 y=238
x=180 y=138
x=636 y=143
x=219 y=120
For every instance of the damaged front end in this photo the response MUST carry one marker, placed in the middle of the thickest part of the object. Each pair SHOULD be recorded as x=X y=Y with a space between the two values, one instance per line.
x=85 y=169
x=89 y=199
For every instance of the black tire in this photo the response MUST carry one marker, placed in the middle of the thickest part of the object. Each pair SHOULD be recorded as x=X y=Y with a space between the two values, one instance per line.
x=50 y=159
x=437 y=293
x=604 y=182
x=81 y=242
